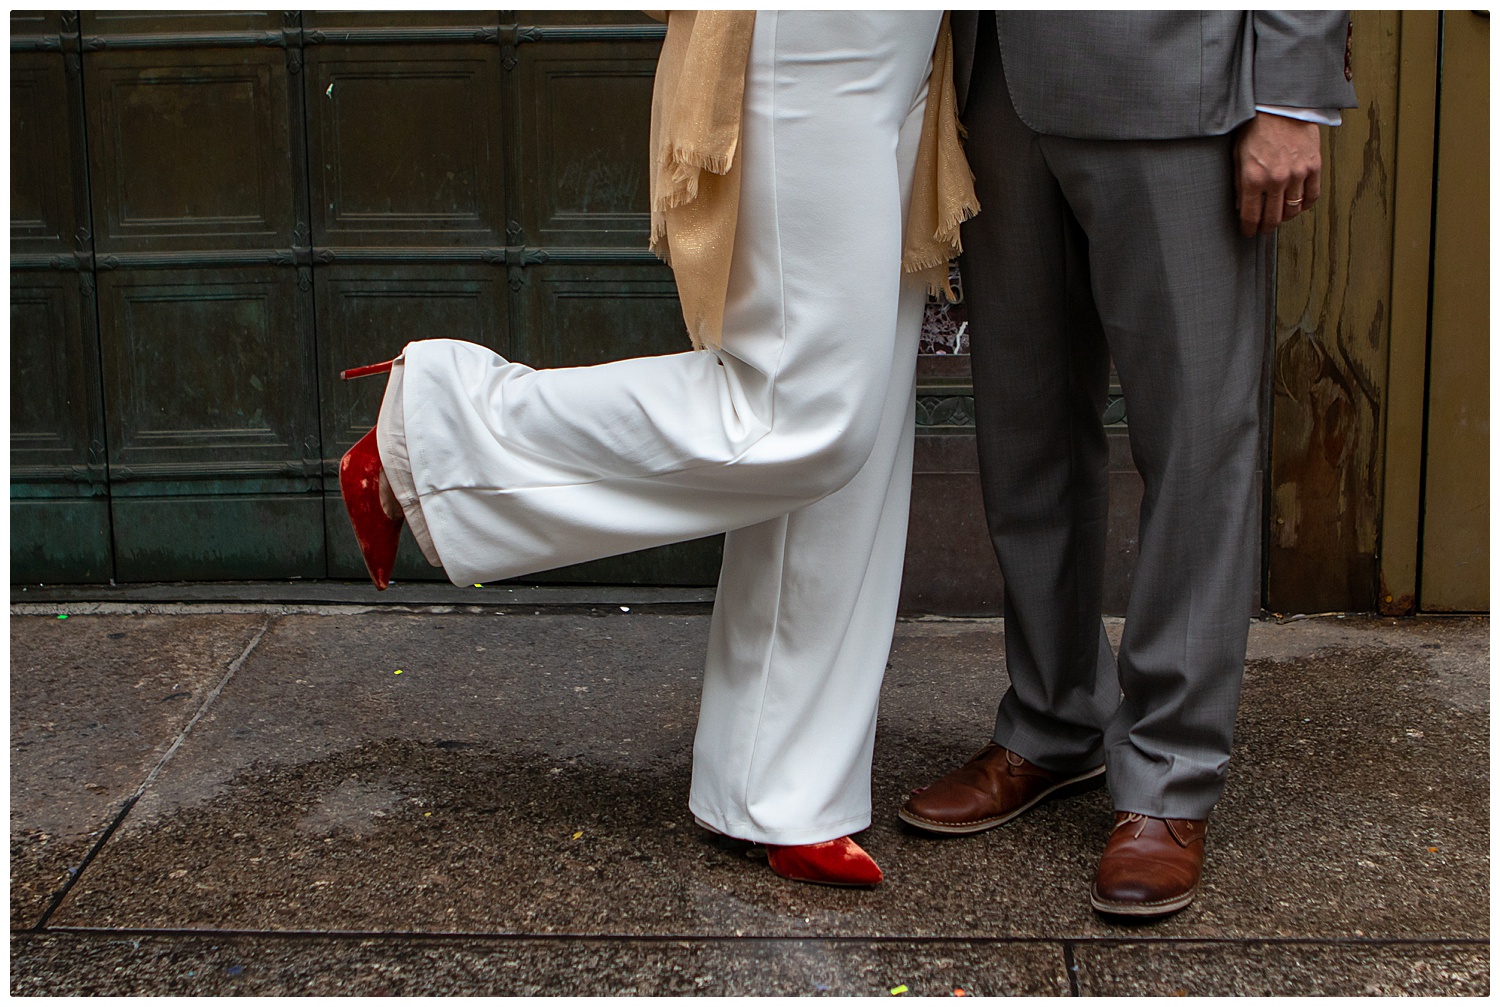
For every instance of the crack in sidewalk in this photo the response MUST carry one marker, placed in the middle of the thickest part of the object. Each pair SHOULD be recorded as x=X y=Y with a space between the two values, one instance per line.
x=1070 y=968
x=151 y=777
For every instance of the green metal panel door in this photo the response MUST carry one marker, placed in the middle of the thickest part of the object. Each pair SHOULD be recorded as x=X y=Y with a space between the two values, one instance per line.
x=264 y=199
x=198 y=191
x=59 y=491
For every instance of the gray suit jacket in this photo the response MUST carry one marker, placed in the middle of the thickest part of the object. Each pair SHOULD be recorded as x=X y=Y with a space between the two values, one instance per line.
x=1152 y=75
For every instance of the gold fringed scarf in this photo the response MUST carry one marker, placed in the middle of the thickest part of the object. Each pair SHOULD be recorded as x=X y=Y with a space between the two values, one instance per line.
x=942 y=192
x=695 y=177
x=696 y=106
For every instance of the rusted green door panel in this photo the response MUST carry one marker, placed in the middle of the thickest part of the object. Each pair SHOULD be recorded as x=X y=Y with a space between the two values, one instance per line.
x=59 y=490
x=409 y=218
x=35 y=24
x=59 y=503
x=584 y=117
x=406 y=146
x=209 y=388
x=219 y=537
x=44 y=186
x=190 y=150
x=55 y=426
x=208 y=375
x=59 y=540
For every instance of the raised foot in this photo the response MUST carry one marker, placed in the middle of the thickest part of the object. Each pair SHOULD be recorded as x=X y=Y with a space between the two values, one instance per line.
x=378 y=533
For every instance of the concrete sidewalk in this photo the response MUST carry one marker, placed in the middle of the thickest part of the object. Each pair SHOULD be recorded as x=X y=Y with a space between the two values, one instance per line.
x=235 y=798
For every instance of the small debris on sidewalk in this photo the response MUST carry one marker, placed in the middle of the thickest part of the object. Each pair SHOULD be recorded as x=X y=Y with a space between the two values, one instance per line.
x=898 y=990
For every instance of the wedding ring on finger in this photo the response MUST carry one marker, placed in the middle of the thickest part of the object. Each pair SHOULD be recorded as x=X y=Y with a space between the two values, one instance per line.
x=1292 y=202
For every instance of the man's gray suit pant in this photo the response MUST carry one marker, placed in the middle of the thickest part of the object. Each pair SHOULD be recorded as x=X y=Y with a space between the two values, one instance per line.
x=1086 y=249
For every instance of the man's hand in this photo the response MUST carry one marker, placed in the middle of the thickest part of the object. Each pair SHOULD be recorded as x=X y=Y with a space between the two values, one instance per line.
x=1278 y=170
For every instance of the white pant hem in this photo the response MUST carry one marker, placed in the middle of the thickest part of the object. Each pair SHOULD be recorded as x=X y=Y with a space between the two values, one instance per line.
x=751 y=833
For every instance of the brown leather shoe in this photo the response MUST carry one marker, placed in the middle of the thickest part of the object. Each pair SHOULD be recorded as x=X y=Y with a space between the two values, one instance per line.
x=1150 y=866
x=988 y=790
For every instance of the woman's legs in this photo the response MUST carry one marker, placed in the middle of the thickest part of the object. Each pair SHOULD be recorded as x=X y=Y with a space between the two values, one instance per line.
x=796 y=437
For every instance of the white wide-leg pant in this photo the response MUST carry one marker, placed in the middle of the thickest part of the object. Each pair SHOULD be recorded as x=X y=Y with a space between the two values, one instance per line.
x=795 y=437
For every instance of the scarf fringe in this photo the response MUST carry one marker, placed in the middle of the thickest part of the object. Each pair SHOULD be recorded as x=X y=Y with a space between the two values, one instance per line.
x=681 y=159
x=684 y=166
x=916 y=264
x=948 y=230
x=936 y=278
x=676 y=197
x=943 y=289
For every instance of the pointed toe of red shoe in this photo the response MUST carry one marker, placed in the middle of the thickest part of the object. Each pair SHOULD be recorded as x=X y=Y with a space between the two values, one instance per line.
x=836 y=862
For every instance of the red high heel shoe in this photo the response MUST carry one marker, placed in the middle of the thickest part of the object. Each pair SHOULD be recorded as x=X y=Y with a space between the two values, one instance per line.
x=377 y=532
x=837 y=862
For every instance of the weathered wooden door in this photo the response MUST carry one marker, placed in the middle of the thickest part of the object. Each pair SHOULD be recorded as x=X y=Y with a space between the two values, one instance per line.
x=1380 y=432
x=215 y=212
x=1455 y=557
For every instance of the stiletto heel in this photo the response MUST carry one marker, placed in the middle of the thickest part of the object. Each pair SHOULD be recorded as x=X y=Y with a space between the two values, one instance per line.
x=837 y=862
x=360 y=372
x=376 y=531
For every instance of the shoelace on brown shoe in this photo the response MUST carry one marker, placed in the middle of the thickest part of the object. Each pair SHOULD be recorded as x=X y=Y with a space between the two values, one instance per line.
x=1132 y=816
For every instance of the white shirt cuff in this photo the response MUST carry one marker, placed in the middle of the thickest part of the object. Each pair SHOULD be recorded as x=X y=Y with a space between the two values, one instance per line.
x=1321 y=116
